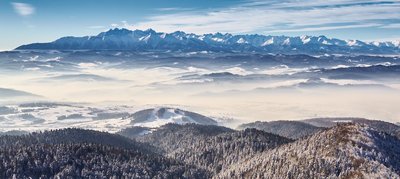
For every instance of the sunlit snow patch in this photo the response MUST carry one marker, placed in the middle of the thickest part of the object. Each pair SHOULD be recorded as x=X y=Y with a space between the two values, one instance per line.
x=157 y=117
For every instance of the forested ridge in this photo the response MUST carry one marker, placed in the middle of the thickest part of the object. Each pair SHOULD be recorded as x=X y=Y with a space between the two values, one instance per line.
x=213 y=151
x=77 y=153
x=344 y=151
x=348 y=150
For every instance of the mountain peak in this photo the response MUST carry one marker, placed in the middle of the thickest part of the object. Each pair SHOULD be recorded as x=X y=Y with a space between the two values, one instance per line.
x=116 y=31
x=124 y=39
x=150 y=30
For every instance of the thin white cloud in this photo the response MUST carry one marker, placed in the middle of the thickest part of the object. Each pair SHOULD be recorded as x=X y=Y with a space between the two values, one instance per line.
x=322 y=28
x=392 y=26
x=278 y=16
x=23 y=9
x=388 y=39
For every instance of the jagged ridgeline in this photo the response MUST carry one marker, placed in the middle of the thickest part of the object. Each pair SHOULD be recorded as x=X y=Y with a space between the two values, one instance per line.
x=149 y=40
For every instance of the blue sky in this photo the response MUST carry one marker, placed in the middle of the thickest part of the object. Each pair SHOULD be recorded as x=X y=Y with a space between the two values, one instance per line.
x=27 y=21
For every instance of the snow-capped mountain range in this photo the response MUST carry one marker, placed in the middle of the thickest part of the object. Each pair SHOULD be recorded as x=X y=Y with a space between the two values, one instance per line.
x=150 y=40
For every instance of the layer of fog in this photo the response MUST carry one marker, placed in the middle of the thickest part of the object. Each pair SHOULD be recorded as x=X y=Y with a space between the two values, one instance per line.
x=245 y=101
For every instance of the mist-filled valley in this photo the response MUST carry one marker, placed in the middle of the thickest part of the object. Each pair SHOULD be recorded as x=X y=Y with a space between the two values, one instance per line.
x=41 y=88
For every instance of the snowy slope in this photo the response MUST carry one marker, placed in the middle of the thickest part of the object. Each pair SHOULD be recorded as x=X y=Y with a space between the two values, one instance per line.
x=160 y=116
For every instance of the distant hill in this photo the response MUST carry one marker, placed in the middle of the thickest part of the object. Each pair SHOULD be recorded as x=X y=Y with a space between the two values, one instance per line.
x=302 y=128
x=156 y=117
x=369 y=72
x=14 y=133
x=8 y=93
x=289 y=129
x=381 y=126
x=135 y=131
x=150 y=40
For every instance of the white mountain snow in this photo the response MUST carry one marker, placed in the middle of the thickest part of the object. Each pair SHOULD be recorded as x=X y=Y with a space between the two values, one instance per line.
x=123 y=39
x=157 y=117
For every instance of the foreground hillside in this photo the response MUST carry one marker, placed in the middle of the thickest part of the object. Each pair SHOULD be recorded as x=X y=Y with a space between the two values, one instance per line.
x=211 y=147
x=348 y=150
x=74 y=153
x=345 y=151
